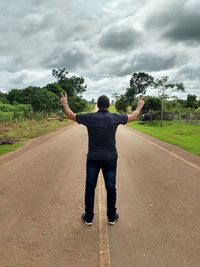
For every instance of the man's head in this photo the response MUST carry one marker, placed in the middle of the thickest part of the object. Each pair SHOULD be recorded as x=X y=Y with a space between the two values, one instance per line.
x=103 y=102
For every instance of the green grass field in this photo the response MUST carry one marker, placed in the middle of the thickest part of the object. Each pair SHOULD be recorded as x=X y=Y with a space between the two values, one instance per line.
x=180 y=134
x=112 y=109
x=27 y=130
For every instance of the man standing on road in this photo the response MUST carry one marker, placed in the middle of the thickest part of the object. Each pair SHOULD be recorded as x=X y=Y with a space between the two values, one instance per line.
x=102 y=153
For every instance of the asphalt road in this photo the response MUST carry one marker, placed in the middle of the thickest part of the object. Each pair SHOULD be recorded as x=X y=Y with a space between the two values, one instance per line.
x=42 y=198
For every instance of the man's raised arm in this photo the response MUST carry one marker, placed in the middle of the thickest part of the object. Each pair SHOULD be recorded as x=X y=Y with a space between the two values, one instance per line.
x=136 y=112
x=71 y=115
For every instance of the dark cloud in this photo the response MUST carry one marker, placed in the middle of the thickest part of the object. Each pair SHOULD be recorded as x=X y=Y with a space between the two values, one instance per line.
x=189 y=72
x=119 y=38
x=185 y=28
x=70 y=60
x=140 y=62
x=176 y=21
x=153 y=62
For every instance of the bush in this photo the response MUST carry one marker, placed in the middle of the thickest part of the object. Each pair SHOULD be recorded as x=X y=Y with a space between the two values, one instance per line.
x=6 y=117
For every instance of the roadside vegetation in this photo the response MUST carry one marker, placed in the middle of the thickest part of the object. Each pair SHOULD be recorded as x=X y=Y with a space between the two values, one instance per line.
x=113 y=109
x=33 y=111
x=184 y=135
x=165 y=116
x=16 y=135
x=164 y=104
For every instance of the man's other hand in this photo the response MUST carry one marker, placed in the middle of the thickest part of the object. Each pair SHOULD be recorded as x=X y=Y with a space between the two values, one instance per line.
x=140 y=102
x=63 y=99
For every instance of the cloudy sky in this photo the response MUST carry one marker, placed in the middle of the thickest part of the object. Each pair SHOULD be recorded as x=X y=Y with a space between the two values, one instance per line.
x=105 y=41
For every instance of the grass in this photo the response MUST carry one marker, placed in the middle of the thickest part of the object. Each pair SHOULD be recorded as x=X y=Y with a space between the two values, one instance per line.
x=112 y=109
x=180 y=134
x=8 y=148
x=27 y=130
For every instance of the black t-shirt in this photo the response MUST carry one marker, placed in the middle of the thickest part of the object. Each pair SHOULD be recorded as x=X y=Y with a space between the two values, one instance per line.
x=102 y=126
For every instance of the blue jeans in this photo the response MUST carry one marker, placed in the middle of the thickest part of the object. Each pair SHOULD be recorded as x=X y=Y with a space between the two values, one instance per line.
x=109 y=168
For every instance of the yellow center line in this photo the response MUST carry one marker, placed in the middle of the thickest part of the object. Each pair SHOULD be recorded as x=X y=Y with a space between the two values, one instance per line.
x=103 y=228
x=166 y=150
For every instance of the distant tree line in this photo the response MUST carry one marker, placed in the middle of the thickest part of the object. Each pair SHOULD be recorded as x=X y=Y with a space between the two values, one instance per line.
x=44 y=100
x=164 y=101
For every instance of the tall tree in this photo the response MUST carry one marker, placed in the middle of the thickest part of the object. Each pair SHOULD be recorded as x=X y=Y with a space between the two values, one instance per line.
x=152 y=103
x=139 y=83
x=71 y=85
x=191 y=101
x=165 y=90
x=54 y=88
x=121 y=104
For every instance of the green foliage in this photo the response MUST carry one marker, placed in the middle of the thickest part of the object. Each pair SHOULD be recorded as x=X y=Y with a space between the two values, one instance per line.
x=27 y=129
x=9 y=113
x=177 y=133
x=165 y=89
x=54 y=88
x=3 y=98
x=77 y=104
x=40 y=98
x=112 y=109
x=138 y=85
x=191 y=101
x=121 y=104
x=134 y=104
x=6 y=117
x=45 y=100
x=152 y=103
x=73 y=85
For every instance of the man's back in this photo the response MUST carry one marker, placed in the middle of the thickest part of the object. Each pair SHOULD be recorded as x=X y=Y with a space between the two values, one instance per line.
x=102 y=126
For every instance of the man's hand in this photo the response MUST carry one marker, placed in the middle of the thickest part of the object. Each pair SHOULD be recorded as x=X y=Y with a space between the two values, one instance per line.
x=140 y=102
x=63 y=99
x=71 y=115
x=136 y=113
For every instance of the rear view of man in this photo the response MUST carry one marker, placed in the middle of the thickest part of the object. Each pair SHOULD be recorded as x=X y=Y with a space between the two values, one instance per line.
x=102 y=152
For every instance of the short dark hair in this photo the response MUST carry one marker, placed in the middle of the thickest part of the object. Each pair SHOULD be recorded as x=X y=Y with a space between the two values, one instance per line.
x=103 y=102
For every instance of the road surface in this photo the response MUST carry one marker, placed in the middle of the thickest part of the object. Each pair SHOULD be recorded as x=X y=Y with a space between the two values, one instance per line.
x=42 y=198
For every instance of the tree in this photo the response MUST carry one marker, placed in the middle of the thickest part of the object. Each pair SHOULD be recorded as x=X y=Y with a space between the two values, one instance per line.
x=54 y=88
x=121 y=104
x=152 y=103
x=139 y=83
x=198 y=103
x=191 y=101
x=3 y=98
x=77 y=104
x=71 y=85
x=115 y=96
x=92 y=101
x=165 y=91
x=41 y=99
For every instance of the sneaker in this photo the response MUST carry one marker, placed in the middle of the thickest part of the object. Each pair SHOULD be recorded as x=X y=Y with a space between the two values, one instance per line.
x=85 y=220
x=114 y=220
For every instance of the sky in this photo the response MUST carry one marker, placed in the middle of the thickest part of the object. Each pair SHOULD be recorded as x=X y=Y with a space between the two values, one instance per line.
x=104 y=41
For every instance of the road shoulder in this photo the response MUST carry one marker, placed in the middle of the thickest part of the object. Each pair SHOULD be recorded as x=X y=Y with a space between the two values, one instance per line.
x=32 y=143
